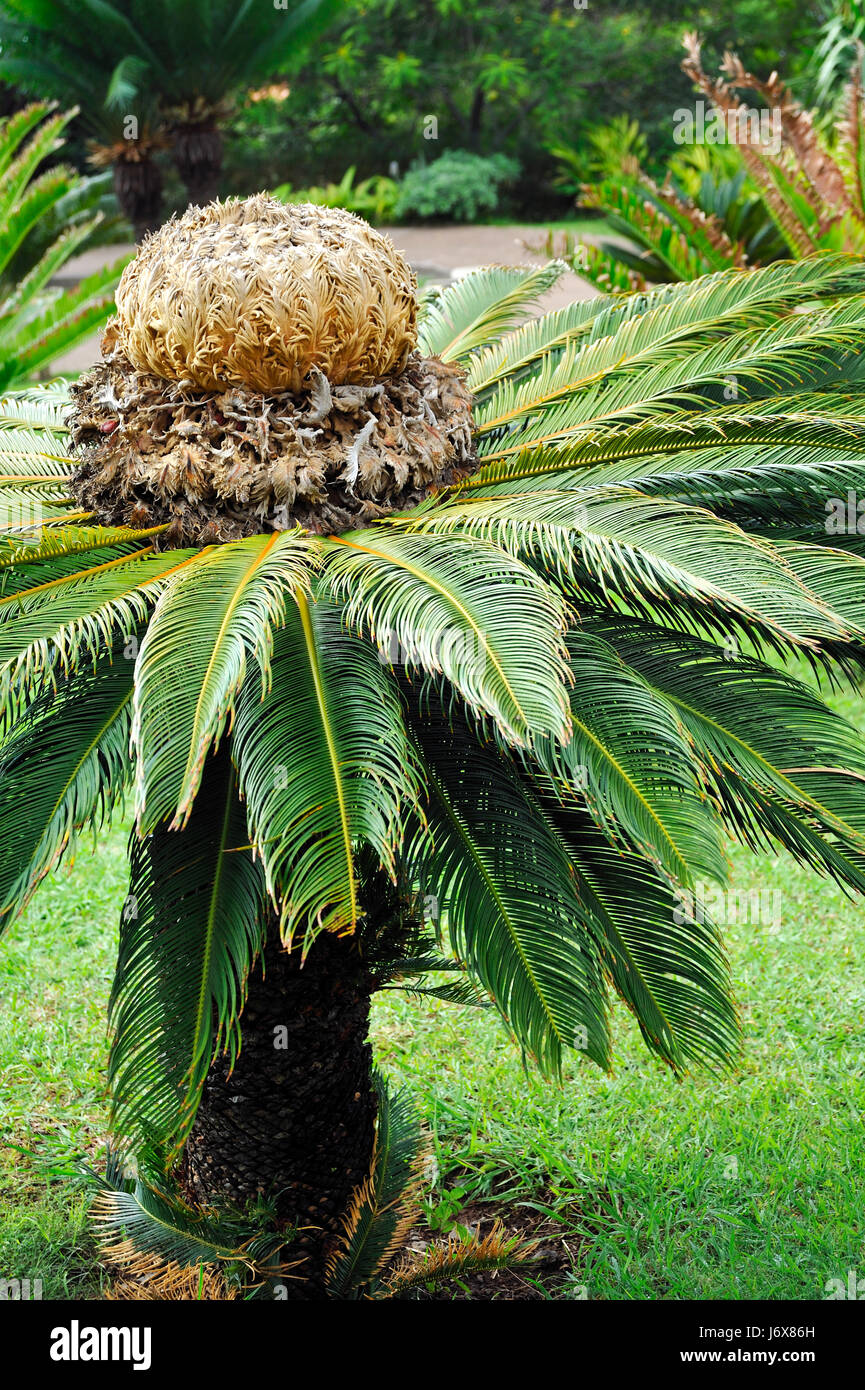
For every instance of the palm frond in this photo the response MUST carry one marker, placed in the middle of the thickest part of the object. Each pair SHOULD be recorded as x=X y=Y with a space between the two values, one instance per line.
x=662 y=951
x=506 y=891
x=563 y=400
x=382 y=1208
x=622 y=453
x=136 y=1217
x=519 y=349
x=459 y=1257
x=48 y=632
x=646 y=551
x=483 y=304
x=213 y=617
x=63 y=767
x=781 y=767
x=837 y=577
x=463 y=609
x=18 y=552
x=629 y=760
x=191 y=928
x=325 y=767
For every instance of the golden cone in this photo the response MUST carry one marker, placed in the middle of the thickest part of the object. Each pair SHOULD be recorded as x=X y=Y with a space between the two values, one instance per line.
x=256 y=293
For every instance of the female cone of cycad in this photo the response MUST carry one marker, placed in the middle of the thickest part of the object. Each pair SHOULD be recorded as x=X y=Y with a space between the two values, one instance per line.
x=261 y=372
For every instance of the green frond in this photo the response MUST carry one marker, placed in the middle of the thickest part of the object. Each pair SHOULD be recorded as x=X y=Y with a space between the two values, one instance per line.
x=626 y=453
x=658 y=943
x=630 y=762
x=325 y=767
x=764 y=488
x=462 y=608
x=405 y=961
x=19 y=303
x=38 y=320
x=781 y=767
x=48 y=633
x=32 y=583
x=507 y=894
x=726 y=301
x=35 y=408
x=563 y=399
x=136 y=1217
x=191 y=928
x=837 y=577
x=20 y=552
x=461 y=992
x=63 y=767
x=381 y=1207
x=481 y=306
x=608 y=541
x=519 y=349
x=645 y=216
x=72 y=317
x=213 y=617
x=16 y=127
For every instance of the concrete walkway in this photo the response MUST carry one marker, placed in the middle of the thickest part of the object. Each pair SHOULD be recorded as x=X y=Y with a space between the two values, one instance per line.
x=436 y=254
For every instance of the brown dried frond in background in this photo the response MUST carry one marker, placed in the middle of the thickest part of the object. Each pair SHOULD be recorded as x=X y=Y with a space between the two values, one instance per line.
x=849 y=131
x=799 y=134
x=124 y=151
x=711 y=227
x=804 y=161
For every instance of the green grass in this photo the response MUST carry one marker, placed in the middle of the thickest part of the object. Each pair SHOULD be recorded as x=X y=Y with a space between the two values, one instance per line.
x=579 y=226
x=747 y=1186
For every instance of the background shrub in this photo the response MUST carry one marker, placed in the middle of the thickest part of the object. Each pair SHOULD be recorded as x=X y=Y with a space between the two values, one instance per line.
x=459 y=187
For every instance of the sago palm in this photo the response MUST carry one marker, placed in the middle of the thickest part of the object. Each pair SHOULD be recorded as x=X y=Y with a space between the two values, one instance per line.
x=421 y=647
x=807 y=192
x=157 y=61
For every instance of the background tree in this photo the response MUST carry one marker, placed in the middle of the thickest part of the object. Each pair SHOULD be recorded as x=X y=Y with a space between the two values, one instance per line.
x=75 y=57
x=148 y=62
x=733 y=203
x=496 y=79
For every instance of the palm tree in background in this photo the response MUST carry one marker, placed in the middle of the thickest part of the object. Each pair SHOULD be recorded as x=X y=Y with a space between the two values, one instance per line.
x=150 y=72
x=456 y=647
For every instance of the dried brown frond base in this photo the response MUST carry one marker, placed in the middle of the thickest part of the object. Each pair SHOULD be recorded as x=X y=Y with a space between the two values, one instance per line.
x=551 y=1265
x=147 y=1278
x=220 y=466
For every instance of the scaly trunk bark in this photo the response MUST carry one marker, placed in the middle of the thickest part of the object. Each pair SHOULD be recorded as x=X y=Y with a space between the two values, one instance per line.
x=138 y=187
x=295 y=1120
x=198 y=160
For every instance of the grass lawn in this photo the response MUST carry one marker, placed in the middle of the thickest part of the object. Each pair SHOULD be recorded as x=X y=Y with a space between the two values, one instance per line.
x=748 y=1186
x=579 y=226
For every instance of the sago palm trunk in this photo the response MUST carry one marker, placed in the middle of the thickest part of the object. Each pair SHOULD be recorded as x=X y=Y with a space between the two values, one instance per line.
x=294 y=1120
x=138 y=189
x=198 y=160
